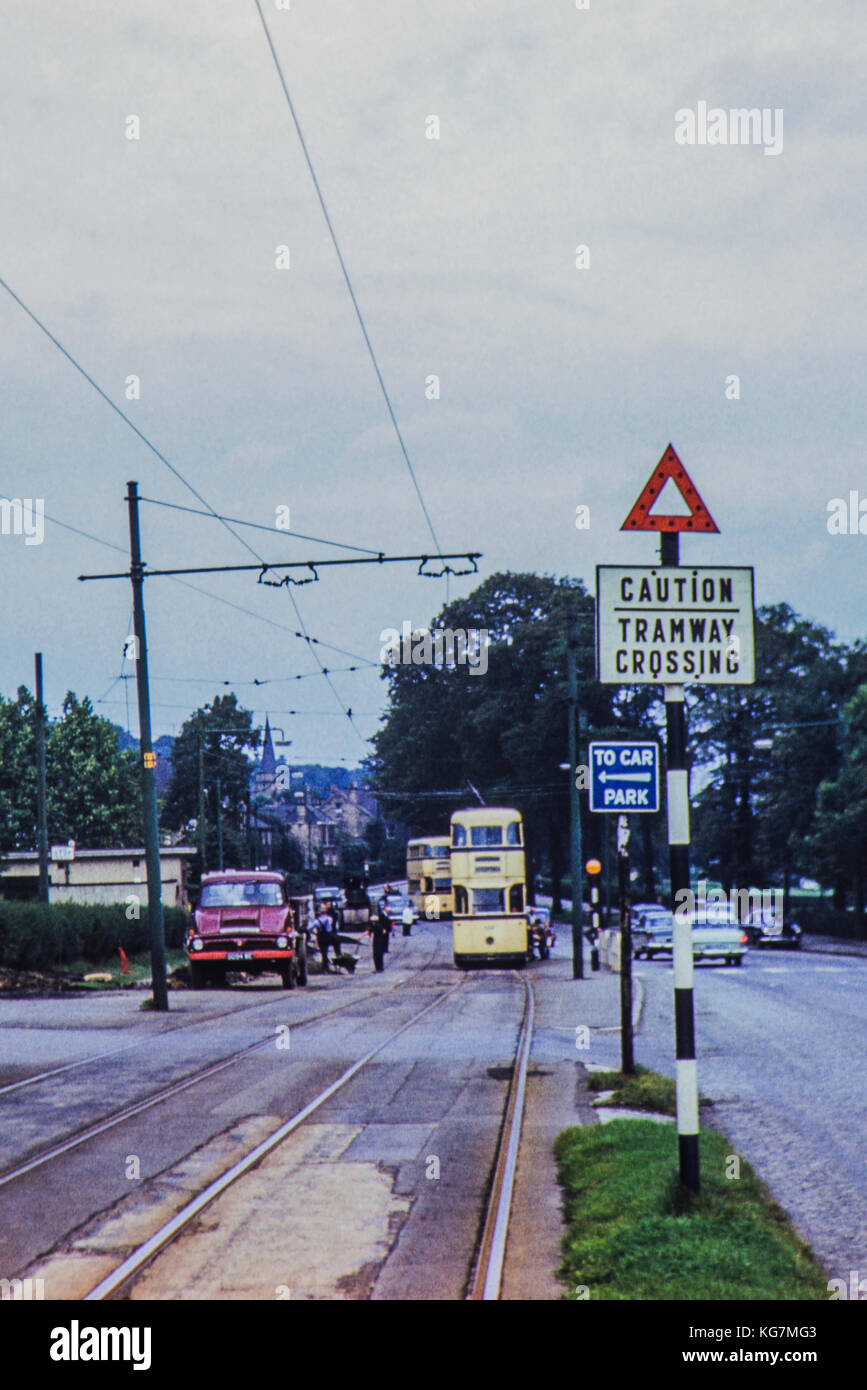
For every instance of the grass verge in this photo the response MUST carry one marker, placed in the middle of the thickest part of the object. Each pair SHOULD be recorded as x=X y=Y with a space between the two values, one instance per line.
x=633 y=1234
x=646 y=1090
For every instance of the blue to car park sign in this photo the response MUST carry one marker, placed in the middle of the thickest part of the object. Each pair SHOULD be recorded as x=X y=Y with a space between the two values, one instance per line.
x=624 y=777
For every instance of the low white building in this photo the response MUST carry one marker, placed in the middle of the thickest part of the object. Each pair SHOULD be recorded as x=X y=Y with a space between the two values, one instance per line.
x=96 y=875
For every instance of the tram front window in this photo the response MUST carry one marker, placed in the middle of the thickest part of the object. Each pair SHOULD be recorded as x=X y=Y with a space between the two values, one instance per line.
x=459 y=836
x=516 y=897
x=483 y=835
x=488 y=900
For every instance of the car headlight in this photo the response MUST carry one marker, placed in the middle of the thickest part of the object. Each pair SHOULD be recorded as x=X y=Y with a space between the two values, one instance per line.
x=282 y=942
x=197 y=943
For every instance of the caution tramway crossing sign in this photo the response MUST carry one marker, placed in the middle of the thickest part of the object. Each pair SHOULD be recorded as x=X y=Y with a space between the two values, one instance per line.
x=624 y=777
x=674 y=626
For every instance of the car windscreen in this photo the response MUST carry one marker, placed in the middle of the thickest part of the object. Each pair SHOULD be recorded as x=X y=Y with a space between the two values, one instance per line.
x=253 y=894
x=716 y=917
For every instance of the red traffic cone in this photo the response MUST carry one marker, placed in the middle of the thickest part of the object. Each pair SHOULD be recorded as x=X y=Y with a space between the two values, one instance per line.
x=124 y=962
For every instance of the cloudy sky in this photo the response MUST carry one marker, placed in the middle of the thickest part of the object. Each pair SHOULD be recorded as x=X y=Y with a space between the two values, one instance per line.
x=155 y=258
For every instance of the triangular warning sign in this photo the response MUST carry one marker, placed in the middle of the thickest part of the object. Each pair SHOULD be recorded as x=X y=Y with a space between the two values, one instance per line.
x=641 y=519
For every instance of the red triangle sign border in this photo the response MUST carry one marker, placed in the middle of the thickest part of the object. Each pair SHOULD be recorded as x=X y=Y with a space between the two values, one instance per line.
x=670 y=466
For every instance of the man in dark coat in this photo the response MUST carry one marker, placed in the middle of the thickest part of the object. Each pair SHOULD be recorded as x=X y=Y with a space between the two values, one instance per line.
x=380 y=930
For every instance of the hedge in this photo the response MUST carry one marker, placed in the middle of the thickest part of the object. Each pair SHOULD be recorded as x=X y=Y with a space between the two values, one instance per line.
x=40 y=936
x=823 y=919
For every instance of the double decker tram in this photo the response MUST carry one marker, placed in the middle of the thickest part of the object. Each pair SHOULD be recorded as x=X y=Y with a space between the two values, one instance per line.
x=428 y=876
x=488 y=887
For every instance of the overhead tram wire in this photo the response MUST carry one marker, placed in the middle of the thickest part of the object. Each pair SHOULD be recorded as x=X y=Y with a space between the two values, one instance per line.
x=358 y=314
x=257 y=526
x=172 y=469
x=298 y=713
x=216 y=598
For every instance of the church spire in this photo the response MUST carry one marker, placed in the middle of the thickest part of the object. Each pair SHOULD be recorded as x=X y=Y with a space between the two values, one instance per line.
x=268 y=765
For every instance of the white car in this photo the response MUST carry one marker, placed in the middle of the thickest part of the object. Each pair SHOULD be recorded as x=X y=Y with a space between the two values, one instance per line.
x=716 y=934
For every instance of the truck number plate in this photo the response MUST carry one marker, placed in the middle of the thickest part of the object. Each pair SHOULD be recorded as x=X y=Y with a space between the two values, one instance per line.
x=239 y=955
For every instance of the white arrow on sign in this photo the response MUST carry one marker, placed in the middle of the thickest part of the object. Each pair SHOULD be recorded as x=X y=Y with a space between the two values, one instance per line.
x=625 y=776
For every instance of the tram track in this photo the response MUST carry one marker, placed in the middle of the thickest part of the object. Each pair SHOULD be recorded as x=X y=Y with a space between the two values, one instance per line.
x=138 y=1259
x=174 y=1088
x=488 y=1272
x=170 y=1027
x=486 y=1263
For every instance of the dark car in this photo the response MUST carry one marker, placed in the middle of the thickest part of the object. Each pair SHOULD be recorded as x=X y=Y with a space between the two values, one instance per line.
x=767 y=928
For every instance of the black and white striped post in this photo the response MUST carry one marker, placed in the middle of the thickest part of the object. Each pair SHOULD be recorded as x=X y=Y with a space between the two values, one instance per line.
x=677 y=802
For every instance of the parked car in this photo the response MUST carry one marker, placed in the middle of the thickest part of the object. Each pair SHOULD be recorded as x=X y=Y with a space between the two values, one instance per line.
x=716 y=934
x=395 y=905
x=651 y=930
x=327 y=896
x=541 y=935
x=767 y=928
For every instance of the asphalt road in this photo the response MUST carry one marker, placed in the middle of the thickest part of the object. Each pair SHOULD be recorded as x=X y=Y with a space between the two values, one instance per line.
x=782 y=1052
x=378 y=1195
x=381 y=1193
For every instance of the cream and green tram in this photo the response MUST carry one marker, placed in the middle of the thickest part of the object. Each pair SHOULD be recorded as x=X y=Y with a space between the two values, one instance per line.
x=428 y=875
x=488 y=878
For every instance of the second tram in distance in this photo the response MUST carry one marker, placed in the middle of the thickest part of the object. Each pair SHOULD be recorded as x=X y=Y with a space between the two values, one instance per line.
x=428 y=876
x=488 y=887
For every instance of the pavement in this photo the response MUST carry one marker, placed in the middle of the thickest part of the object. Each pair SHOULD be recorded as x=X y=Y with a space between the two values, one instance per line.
x=832 y=945
x=577 y=1029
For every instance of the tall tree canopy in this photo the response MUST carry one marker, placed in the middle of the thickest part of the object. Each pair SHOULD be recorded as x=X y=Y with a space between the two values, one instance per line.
x=505 y=731
x=224 y=732
x=93 y=793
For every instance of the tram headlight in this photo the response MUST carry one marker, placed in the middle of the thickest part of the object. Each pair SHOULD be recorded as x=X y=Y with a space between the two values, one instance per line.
x=489 y=941
x=282 y=942
x=197 y=943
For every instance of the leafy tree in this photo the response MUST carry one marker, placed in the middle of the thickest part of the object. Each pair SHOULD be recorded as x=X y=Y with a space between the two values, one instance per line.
x=224 y=732
x=506 y=730
x=93 y=790
x=840 y=827
x=17 y=772
x=753 y=817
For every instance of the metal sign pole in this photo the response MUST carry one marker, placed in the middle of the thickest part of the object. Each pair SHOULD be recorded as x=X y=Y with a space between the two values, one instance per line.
x=574 y=806
x=627 y=1058
x=677 y=801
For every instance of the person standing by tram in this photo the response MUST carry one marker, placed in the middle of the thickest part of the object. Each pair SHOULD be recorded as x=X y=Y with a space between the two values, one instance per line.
x=380 y=931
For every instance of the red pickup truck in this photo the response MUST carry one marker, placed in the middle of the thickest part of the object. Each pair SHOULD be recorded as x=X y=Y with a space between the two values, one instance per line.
x=244 y=922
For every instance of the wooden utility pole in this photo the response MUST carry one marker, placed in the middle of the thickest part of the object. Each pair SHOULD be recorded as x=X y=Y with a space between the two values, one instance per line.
x=148 y=762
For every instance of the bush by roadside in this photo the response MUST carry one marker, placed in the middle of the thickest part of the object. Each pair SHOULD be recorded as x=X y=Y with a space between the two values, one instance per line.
x=823 y=919
x=40 y=936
